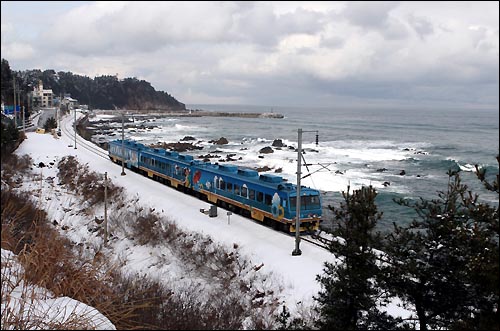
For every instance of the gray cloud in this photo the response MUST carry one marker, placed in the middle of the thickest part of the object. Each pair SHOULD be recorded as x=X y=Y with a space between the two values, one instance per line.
x=421 y=25
x=266 y=52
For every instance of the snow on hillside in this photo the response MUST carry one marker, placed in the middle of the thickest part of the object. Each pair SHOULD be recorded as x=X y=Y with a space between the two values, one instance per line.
x=295 y=275
x=28 y=301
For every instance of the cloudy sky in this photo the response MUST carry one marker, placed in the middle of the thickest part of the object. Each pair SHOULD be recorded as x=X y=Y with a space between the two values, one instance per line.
x=332 y=54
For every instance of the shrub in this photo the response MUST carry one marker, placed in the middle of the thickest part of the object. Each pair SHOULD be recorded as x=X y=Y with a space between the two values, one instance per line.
x=88 y=184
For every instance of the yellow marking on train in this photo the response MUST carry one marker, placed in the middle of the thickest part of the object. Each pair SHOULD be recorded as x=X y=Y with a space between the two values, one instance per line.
x=257 y=214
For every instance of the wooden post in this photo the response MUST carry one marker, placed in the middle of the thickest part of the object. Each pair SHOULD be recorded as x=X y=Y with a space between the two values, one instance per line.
x=105 y=208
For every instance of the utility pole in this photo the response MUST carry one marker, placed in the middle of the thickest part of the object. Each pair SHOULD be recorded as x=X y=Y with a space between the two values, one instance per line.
x=14 y=85
x=19 y=98
x=123 y=146
x=105 y=208
x=74 y=123
x=59 y=115
x=297 y=250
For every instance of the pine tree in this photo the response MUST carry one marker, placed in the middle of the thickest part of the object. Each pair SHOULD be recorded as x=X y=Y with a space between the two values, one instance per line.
x=10 y=137
x=348 y=299
x=50 y=123
x=445 y=263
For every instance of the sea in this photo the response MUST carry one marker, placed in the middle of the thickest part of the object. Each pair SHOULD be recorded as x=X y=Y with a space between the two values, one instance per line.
x=402 y=153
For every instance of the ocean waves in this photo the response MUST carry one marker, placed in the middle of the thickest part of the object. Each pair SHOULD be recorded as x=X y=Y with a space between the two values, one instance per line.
x=406 y=160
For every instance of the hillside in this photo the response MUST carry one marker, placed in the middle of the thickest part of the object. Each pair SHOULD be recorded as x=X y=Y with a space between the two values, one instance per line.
x=102 y=92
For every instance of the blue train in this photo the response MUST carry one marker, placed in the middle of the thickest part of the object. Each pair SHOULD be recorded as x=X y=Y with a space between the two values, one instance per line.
x=266 y=198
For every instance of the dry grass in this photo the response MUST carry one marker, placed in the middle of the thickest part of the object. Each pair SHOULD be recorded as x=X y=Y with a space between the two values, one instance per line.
x=14 y=168
x=19 y=219
x=50 y=263
x=223 y=267
x=235 y=300
x=26 y=307
x=87 y=184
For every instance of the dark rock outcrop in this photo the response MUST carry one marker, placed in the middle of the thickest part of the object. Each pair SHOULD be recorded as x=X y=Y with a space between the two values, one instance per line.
x=266 y=150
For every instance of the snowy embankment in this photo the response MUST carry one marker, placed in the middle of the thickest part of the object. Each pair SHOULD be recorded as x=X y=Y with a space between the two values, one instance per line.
x=293 y=278
x=37 y=308
x=258 y=244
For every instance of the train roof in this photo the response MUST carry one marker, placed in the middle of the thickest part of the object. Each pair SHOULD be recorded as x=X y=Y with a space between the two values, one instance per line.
x=244 y=174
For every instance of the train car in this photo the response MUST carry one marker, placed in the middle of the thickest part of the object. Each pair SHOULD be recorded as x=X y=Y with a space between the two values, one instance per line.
x=167 y=167
x=264 y=197
x=128 y=151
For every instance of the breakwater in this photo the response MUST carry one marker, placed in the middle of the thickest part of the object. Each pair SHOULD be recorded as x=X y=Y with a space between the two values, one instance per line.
x=187 y=113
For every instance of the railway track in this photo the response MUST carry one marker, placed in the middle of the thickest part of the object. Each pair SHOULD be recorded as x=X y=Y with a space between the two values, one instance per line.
x=314 y=241
x=67 y=129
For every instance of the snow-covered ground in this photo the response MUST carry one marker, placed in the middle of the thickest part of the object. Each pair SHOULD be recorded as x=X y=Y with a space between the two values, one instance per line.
x=296 y=275
x=27 y=301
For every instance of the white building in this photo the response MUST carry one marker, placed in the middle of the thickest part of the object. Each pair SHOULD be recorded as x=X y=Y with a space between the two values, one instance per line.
x=69 y=102
x=41 y=97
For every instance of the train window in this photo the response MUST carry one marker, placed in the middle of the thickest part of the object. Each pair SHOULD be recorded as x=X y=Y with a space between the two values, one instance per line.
x=229 y=187
x=306 y=202
x=222 y=185
x=244 y=191
x=251 y=194
x=268 y=199
x=236 y=189
x=260 y=196
x=310 y=202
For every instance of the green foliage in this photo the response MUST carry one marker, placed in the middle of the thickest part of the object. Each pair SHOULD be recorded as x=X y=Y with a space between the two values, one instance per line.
x=7 y=88
x=282 y=318
x=104 y=92
x=481 y=175
x=284 y=324
x=348 y=299
x=10 y=137
x=50 y=124
x=445 y=263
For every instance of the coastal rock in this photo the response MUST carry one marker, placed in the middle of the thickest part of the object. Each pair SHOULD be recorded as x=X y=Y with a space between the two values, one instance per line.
x=220 y=141
x=263 y=169
x=209 y=156
x=278 y=143
x=266 y=150
x=178 y=147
